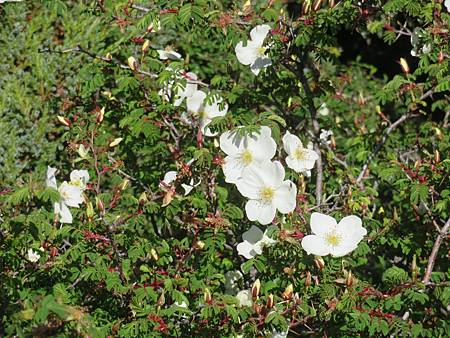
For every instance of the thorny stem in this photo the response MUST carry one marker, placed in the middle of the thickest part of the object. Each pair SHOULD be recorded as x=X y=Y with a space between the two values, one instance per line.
x=437 y=243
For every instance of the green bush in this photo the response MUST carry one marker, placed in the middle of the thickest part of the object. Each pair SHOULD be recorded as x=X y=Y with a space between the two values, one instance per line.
x=124 y=208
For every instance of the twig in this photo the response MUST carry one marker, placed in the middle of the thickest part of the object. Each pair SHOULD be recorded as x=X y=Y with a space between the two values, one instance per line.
x=381 y=144
x=437 y=243
x=316 y=127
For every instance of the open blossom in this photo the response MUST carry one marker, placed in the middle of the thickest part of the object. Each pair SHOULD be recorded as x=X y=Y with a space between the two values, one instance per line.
x=182 y=92
x=267 y=191
x=189 y=187
x=299 y=158
x=254 y=53
x=325 y=135
x=33 y=256
x=243 y=152
x=70 y=196
x=205 y=112
x=79 y=178
x=331 y=238
x=254 y=241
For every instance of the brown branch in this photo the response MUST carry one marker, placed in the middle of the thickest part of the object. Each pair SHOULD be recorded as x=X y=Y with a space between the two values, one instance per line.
x=437 y=243
x=299 y=71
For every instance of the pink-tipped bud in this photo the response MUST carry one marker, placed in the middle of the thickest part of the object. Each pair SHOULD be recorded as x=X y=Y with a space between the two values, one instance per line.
x=256 y=288
x=63 y=121
x=404 y=65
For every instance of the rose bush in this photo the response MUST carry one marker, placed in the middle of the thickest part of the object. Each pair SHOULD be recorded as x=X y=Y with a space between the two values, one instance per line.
x=206 y=151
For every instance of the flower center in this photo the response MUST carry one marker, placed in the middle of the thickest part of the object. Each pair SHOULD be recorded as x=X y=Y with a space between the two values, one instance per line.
x=261 y=51
x=300 y=153
x=247 y=157
x=76 y=183
x=333 y=238
x=201 y=114
x=266 y=194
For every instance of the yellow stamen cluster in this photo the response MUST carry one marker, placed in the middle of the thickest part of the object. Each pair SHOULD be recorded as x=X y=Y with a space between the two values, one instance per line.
x=300 y=153
x=333 y=238
x=266 y=194
x=247 y=157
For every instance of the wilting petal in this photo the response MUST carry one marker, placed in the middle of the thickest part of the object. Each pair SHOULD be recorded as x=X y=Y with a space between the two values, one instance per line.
x=315 y=245
x=321 y=223
x=259 y=33
x=170 y=176
x=259 y=211
x=285 y=197
x=51 y=178
x=64 y=213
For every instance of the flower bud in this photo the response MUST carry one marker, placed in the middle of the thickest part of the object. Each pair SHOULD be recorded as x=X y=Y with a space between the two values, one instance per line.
x=316 y=5
x=124 y=184
x=270 y=301
x=99 y=204
x=440 y=57
x=115 y=142
x=154 y=254
x=63 y=121
x=320 y=263
x=331 y=3
x=308 y=280
x=256 y=288
x=101 y=115
x=404 y=65
x=207 y=296
x=161 y=300
x=132 y=63
x=145 y=46
x=287 y=293
x=414 y=269
x=108 y=56
x=89 y=210
x=142 y=199
x=437 y=156
x=349 y=280
x=200 y=244
x=306 y=7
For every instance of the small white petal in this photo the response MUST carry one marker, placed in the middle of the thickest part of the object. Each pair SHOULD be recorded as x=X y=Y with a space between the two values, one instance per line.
x=246 y=249
x=321 y=223
x=232 y=169
x=260 y=63
x=169 y=177
x=285 y=197
x=259 y=211
x=51 y=178
x=194 y=103
x=246 y=55
x=72 y=195
x=259 y=33
x=168 y=54
x=249 y=185
x=65 y=216
x=244 y=298
x=290 y=143
x=342 y=250
x=315 y=245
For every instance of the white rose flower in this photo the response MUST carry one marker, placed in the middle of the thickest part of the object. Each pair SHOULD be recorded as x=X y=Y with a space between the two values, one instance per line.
x=182 y=92
x=79 y=178
x=244 y=298
x=33 y=256
x=205 y=112
x=331 y=238
x=264 y=185
x=253 y=53
x=299 y=158
x=245 y=151
x=254 y=241
x=71 y=196
x=165 y=54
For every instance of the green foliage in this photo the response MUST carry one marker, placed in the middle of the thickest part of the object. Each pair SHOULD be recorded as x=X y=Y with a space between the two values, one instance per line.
x=142 y=258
